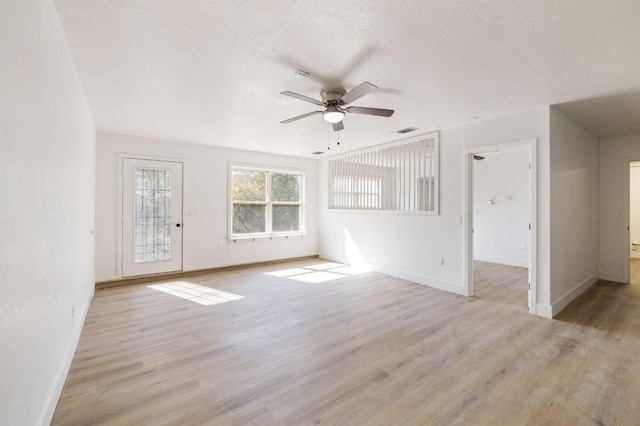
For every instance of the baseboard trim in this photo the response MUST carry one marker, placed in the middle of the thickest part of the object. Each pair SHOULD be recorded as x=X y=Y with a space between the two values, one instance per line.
x=420 y=279
x=612 y=277
x=571 y=295
x=502 y=260
x=56 y=391
x=194 y=273
x=543 y=310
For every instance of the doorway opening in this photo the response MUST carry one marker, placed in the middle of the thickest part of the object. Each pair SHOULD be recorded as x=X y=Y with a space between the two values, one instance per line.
x=633 y=247
x=500 y=243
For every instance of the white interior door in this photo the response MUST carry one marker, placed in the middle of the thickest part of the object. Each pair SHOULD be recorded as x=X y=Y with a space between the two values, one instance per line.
x=151 y=217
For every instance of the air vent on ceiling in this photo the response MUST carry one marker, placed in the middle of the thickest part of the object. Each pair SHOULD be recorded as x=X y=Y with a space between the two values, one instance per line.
x=317 y=153
x=407 y=130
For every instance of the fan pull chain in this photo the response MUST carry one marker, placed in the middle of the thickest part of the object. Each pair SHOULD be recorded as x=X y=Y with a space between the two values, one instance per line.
x=328 y=139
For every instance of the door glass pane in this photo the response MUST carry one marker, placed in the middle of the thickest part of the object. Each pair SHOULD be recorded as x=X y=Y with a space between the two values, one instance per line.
x=286 y=218
x=248 y=218
x=152 y=221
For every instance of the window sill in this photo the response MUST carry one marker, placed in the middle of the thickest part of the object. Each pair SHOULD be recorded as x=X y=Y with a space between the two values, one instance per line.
x=253 y=238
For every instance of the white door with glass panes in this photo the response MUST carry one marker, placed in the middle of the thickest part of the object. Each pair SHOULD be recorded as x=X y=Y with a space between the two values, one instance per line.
x=151 y=216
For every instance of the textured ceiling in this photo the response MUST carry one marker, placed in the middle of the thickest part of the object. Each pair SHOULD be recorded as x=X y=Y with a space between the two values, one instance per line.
x=606 y=117
x=210 y=71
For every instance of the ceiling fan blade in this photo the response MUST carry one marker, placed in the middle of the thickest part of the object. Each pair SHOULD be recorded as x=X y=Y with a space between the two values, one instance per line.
x=358 y=92
x=309 y=114
x=303 y=98
x=338 y=126
x=371 y=111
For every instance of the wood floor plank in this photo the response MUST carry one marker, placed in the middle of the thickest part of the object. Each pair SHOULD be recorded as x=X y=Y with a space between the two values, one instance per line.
x=362 y=349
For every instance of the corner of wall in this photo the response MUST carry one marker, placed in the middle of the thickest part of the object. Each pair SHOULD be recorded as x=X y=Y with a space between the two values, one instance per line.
x=543 y=310
x=56 y=390
x=420 y=279
x=570 y=296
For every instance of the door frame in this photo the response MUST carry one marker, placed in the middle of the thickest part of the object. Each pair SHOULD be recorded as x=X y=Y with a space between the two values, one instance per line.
x=626 y=217
x=119 y=196
x=532 y=146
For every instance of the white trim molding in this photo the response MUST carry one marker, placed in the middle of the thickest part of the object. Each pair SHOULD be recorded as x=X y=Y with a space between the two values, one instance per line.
x=436 y=283
x=56 y=391
x=571 y=295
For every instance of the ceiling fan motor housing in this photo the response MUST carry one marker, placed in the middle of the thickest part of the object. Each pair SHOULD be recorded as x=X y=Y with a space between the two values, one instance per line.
x=332 y=95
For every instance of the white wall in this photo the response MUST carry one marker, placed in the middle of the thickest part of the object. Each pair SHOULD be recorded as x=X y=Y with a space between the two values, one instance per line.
x=634 y=208
x=407 y=245
x=402 y=244
x=574 y=210
x=612 y=251
x=47 y=170
x=205 y=208
x=501 y=229
x=567 y=212
x=527 y=124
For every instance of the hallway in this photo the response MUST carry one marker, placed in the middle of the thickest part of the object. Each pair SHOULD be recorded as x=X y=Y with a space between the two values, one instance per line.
x=635 y=271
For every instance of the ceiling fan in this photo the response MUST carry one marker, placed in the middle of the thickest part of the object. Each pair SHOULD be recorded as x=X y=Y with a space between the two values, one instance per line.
x=333 y=100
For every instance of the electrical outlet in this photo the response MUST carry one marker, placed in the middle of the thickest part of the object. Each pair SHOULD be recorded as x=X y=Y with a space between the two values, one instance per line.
x=73 y=311
x=523 y=246
x=459 y=220
x=440 y=261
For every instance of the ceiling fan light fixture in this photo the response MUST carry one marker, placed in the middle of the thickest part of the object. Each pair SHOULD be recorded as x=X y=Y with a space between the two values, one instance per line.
x=333 y=115
x=334 y=100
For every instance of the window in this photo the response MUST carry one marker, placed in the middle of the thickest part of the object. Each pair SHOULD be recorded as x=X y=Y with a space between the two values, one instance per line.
x=357 y=192
x=399 y=176
x=265 y=202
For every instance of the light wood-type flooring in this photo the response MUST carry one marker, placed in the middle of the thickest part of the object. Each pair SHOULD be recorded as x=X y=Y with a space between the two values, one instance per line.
x=635 y=271
x=361 y=349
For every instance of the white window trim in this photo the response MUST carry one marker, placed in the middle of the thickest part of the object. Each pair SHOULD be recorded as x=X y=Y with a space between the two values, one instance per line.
x=269 y=203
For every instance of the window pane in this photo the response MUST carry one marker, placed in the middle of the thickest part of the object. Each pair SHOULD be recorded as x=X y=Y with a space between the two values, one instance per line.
x=248 y=185
x=285 y=187
x=286 y=218
x=248 y=218
x=152 y=230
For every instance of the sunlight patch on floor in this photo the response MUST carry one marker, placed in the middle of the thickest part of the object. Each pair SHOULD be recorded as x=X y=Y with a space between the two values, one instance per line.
x=317 y=277
x=288 y=272
x=320 y=272
x=325 y=266
x=352 y=269
x=196 y=293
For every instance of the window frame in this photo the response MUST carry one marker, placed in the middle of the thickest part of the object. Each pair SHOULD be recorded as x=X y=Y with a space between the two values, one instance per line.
x=268 y=203
x=389 y=187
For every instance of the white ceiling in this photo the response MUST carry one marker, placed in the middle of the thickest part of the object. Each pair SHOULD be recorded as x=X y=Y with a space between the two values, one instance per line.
x=210 y=71
x=606 y=117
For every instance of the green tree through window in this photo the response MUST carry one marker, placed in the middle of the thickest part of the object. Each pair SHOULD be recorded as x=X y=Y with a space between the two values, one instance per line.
x=265 y=201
